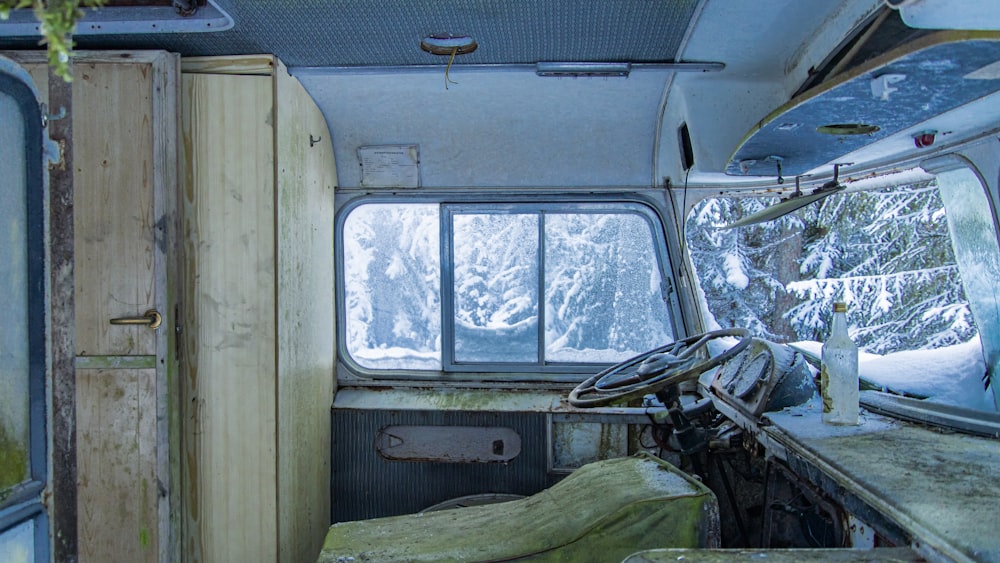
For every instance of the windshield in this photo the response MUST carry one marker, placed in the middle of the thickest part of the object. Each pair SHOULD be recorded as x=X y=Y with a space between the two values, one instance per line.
x=887 y=253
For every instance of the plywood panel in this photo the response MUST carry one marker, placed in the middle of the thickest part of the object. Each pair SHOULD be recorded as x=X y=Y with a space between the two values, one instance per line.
x=113 y=191
x=116 y=454
x=166 y=166
x=306 y=176
x=228 y=385
x=260 y=65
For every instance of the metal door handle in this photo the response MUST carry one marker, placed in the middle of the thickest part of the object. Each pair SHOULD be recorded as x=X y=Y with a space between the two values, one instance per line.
x=150 y=318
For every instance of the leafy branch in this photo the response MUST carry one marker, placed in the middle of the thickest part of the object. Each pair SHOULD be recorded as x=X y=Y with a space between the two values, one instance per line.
x=57 y=19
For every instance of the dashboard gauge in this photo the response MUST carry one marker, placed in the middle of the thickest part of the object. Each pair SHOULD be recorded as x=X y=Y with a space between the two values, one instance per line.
x=731 y=369
x=752 y=374
x=765 y=377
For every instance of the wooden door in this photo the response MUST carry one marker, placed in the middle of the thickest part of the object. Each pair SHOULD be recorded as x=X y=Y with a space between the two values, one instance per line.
x=124 y=139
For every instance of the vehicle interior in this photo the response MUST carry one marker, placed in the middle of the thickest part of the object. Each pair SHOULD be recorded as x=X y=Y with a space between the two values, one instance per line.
x=489 y=281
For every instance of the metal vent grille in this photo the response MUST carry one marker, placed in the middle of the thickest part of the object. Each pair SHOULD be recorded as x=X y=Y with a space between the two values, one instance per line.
x=364 y=485
x=381 y=33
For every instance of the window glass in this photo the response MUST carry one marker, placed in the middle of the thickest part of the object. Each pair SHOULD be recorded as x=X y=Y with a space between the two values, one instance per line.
x=887 y=253
x=603 y=288
x=392 y=286
x=496 y=287
x=17 y=544
x=971 y=223
x=532 y=287
x=14 y=350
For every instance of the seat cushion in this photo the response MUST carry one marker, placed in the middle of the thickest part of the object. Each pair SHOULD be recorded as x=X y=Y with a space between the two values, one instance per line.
x=603 y=511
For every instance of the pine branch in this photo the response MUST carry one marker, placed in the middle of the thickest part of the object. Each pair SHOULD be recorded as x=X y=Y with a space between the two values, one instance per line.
x=57 y=19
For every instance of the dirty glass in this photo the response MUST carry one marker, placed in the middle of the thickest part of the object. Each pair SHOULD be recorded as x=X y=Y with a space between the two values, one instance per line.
x=886 y=252
x=971 y=223
x=531 y=287
x=496 y=287
x=392 y=286
x=14 y=421
x=603 y=288
x=17 y=545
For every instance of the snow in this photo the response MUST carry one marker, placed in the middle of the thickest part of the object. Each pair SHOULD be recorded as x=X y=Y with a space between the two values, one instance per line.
x=952 y=375
x=808 y=422
x=735 y=275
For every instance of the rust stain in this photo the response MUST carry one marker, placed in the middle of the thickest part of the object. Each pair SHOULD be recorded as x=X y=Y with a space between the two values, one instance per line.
x=61 y=164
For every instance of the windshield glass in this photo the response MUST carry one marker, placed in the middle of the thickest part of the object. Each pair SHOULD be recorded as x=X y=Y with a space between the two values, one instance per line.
x=887 y=253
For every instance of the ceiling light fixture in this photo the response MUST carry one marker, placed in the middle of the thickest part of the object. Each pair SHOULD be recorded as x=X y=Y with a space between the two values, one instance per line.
x=451 y=45
x=446 y=44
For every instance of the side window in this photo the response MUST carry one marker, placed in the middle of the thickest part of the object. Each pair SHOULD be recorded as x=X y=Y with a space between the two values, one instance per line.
x=888 y=253
x=392 y=286
x=502 y=288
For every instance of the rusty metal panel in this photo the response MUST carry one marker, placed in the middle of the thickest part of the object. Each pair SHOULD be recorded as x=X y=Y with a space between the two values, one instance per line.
x=448 y=444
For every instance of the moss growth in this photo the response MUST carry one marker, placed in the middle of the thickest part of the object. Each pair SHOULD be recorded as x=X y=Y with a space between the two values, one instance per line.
x=13 y=462
x=603 y=511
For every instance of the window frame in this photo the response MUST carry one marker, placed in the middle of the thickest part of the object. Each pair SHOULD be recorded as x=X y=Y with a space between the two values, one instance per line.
x=449 y=202
x=25 y=501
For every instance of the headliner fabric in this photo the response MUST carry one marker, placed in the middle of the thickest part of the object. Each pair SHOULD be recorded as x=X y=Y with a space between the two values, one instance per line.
x=381 y=33
x=604 y=511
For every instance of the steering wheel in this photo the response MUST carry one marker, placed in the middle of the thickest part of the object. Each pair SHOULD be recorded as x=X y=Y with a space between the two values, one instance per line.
x=656 y=369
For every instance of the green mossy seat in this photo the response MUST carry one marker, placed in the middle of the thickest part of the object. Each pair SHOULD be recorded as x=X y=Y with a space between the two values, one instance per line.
x=603 y=511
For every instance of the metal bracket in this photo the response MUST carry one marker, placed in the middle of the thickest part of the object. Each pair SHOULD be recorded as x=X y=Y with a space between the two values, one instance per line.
x=47 y=117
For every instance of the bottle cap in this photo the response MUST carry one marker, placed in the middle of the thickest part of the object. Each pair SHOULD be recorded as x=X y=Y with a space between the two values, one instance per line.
x=839 y=307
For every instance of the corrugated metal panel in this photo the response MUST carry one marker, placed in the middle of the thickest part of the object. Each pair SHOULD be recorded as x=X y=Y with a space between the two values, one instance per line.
x=380 y=33
x=364 y=485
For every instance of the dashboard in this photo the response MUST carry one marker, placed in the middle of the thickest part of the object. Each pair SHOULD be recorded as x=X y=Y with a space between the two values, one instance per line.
x=765 y=377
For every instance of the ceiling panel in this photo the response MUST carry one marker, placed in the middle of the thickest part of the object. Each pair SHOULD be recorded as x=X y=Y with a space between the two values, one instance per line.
x=386 y=33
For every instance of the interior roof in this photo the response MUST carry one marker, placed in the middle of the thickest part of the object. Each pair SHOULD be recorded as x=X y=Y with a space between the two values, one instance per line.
x=381 y=33
x=519 y=130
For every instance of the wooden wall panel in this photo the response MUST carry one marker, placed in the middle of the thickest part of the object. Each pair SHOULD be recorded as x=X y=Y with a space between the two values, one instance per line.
x=306 y=176
x=113 y=211
x=116 y=464
x=228 y=387
x=113 y=196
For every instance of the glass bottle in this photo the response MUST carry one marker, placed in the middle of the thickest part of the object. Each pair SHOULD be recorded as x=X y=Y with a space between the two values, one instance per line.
x=839 y=372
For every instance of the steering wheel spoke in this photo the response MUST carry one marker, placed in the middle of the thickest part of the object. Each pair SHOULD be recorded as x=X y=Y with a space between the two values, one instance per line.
x=656 y=369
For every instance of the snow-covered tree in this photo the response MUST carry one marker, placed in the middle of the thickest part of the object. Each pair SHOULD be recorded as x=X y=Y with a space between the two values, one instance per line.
x=744 y=271
x=602 y=287
x=886 y=253
x=392 y=288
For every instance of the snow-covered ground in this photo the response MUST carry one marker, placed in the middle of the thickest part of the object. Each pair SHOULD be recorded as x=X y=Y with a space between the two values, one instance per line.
x=951 y=375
